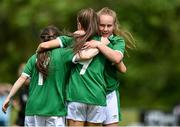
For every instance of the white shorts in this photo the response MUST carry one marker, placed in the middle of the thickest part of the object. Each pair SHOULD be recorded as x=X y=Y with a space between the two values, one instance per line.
x=112 y=108
x=44 y=121
x=85 y=112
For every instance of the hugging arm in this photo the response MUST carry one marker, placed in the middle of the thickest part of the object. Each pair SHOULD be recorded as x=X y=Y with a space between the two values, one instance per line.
x=86 y=54
x=112 y=55
x=89 y=52
x=49 y=44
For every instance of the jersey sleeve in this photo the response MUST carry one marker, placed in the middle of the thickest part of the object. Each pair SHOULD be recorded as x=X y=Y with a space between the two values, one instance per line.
x=65 y=41
x=29 y=66
x=118 y=44
x=68 y=56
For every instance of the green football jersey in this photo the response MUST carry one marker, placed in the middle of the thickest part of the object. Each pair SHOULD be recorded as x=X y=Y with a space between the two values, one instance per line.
x=110 y=73
x=87 y=83
x=65 y=41
x=47 y=97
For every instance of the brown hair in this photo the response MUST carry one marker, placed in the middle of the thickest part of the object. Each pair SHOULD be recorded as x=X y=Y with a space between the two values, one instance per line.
x=89 y=22
x=129 y=40
x=43 y=58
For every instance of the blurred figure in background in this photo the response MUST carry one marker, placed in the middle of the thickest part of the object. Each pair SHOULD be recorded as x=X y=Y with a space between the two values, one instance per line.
x=4 y=90
x=176 y=113
x=21 y=99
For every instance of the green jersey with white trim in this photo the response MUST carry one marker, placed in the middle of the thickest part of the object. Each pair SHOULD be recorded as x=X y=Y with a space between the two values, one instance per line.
x=46 y=98
x=87 y=84
x=110 y=73
x=65 y=41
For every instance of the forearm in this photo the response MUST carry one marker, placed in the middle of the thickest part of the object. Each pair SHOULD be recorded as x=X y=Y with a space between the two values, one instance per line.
x=87 y=54
x=49 y=45
x=110 y=54
x=17 y=85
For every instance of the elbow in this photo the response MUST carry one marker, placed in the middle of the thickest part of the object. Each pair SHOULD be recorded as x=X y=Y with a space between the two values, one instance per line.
x=117 y=60
x=41 y=47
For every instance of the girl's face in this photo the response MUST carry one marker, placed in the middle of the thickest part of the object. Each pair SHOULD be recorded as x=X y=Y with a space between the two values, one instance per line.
x=106 y=26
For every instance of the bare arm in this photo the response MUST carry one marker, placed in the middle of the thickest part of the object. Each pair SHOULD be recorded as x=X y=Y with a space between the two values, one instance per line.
x=112 y=55
x=86 y=53
x=48 y=45
x=89 y=53
x=121 y=67
x=13 y=91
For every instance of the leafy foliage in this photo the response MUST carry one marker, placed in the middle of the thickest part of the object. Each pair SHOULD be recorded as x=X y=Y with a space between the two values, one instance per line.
x=153 y=68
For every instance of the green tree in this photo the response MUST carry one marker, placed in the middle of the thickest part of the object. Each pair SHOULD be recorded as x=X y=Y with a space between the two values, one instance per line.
x=153 y=68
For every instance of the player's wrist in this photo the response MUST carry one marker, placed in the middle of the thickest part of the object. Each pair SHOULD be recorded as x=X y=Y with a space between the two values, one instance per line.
x=99 y=44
